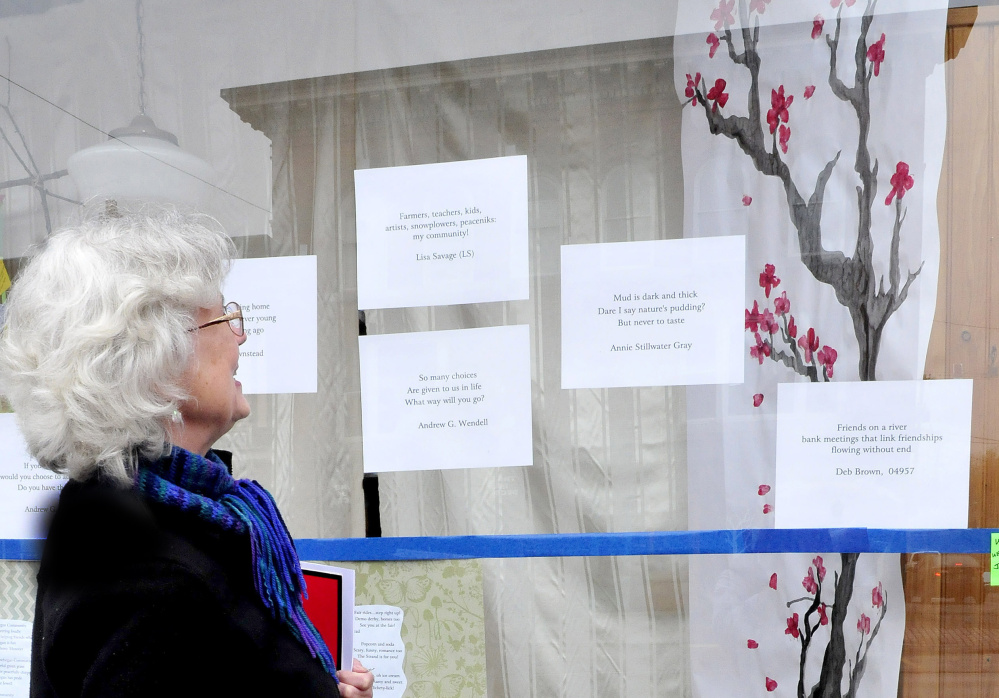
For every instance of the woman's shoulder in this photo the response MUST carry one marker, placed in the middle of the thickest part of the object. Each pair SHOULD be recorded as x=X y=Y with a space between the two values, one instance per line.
x=103 y=531
x=126 y=581
x=124 y=601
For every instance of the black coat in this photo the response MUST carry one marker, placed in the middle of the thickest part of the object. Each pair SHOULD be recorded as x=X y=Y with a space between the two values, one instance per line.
x=137 y=599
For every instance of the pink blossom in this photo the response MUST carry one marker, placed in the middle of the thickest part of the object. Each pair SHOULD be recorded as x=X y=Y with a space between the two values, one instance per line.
x=811 y=586
x=901 y=182
x=722 y=15
x=768 y=280
x=809 y=342
x=767 y=508
x=792 y=329
x=849 y=3
x=809 y=91
x=783 y=137
x=746 y=200
x=768 y=324
x=771 y=685
x=752 y=644
x=823 y=617
x=817 y=25
x=792 y=627
x=761 y=350
x=827 y=357
x=773 y=581
x=757 y=399
x=764 y=489
x=782 y=304
x=717 y=93
x=753 y=318
x=691 y=90
x=877 y=596
x=876 y=54
x=863 y=625
x=778 y=108
x=758 y=5
x=820 y=569
x=713 y=41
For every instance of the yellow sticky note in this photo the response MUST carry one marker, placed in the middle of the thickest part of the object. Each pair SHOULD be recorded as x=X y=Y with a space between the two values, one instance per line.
x=994 y=559
x=4 y=278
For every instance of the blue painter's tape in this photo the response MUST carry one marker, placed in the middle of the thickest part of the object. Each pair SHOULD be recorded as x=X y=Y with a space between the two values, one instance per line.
x=958 y=540
x=16 y=549
x=725 y=542
x=804 y=540
x=747 y=541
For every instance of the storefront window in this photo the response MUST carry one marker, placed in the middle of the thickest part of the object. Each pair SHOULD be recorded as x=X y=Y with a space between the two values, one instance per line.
x=639 y=270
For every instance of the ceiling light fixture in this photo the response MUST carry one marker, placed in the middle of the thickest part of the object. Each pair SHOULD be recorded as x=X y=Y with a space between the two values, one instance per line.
x=141 y=161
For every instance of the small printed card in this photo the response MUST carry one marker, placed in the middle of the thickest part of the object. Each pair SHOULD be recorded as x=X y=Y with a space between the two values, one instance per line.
x=442 y=234
x=447 y=399
x=885 y=454
x=661 y=312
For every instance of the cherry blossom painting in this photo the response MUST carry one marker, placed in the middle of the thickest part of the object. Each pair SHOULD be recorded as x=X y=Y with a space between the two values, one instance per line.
x=815 y=129
x=817 y=627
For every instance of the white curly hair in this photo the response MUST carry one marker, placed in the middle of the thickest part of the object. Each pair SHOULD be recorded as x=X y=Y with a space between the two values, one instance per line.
x=97 y=334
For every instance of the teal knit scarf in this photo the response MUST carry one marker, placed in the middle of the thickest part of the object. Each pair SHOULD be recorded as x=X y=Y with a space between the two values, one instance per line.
x=203 y=487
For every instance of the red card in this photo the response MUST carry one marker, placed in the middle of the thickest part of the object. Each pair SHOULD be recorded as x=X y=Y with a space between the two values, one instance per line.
x=324 y=608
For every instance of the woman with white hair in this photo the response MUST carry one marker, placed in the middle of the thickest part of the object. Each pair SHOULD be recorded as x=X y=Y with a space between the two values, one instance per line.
x=162 y=575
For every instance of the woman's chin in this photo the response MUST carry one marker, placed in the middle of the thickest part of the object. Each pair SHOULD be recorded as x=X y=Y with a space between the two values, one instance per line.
x=243 y=411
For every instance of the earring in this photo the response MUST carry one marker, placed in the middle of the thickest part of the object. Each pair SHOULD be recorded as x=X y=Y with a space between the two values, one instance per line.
x=176 y=417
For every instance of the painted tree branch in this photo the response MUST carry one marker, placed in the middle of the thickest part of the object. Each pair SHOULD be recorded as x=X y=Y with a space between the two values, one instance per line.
x=860 y=662
x=806 y=636
x=835 y=665
x=807 y=356
x=853 y=279
x=795 y=363
x=834 y=658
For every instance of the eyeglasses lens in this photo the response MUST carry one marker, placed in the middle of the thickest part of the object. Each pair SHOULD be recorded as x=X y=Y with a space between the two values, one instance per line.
x=236 y=323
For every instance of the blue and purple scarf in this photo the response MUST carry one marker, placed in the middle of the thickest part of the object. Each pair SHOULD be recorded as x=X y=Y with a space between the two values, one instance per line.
x=202 y=487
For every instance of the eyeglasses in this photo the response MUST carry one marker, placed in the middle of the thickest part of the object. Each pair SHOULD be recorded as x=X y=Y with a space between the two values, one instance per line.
x=233 y=315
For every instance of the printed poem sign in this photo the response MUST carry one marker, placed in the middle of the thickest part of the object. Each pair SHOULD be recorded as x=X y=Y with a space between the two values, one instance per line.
x=442 y=234
x=662 y=312
x=15 y=658
x=278 y=297
x=451 y=399
x=892 y=454
x=27 y=491
x=378 y=645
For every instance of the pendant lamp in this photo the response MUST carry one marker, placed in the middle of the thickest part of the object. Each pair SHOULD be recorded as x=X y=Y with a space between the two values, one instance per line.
x=141 y=161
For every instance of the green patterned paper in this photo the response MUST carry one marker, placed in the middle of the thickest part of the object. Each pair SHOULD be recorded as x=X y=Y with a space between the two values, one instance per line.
x=442 y=628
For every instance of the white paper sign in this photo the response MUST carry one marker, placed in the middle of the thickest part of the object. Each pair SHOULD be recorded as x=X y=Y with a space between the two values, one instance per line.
x=279 y=300
x=451 y=399
x=442 y=234
x=28 y=492
x=379 y=647
x=892 y=454
x=662 y=312
x=15 y=658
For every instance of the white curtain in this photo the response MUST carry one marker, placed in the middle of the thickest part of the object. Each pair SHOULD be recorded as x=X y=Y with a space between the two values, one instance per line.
x=599 y=127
